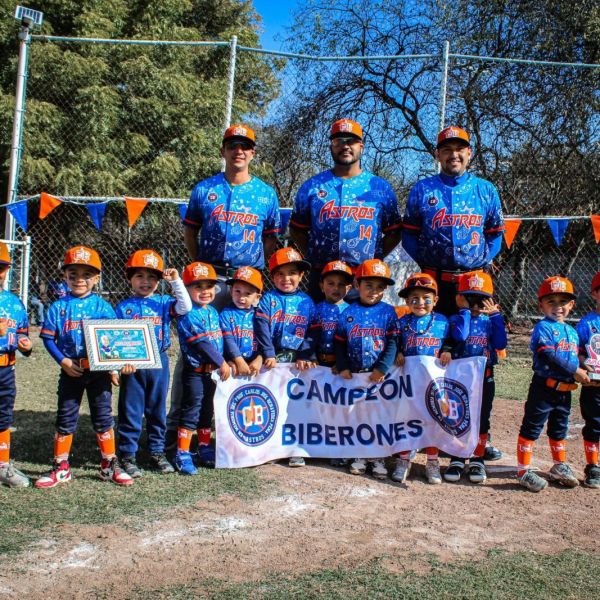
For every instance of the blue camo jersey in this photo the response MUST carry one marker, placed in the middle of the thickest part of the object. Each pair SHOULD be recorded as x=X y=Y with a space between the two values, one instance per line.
x=454 y=219
x=345 y=218
x=233 y=220
x=555 y=348
x=64 y=322
x=422 y=336
x=327 y=317
x=237 y=325
x=288 y=316
x=156 y=309
x=201 y=323
x=366 y=330
x=478 y=336
x=588 y=327
x=13 y=318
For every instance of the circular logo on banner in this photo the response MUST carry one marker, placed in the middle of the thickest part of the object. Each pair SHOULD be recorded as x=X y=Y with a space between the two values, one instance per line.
x=448 y=403
x=252 y=413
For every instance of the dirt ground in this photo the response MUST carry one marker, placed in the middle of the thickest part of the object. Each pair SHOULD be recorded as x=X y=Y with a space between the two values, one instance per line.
x=320 y=517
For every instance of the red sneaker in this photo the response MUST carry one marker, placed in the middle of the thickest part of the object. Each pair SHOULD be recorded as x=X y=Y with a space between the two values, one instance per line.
x=61 y=473
x=110 y=470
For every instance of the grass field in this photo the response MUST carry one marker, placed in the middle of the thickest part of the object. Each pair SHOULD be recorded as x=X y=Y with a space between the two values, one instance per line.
x=33 y=514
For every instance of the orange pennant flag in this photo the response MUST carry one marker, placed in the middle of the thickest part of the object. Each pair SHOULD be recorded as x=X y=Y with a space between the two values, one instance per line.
x=512 y=226
x=596 y=225
x=135 y=207
x=47 y=204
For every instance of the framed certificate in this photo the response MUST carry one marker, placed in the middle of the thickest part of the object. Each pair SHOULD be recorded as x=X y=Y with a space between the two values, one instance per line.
x=593 y=359
x=113 y=343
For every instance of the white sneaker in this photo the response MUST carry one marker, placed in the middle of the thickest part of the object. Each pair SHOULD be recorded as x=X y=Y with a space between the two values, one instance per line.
x=401 y=470
x=12 y=477
x=432 y=472
x=358 y=466
x=378 y=470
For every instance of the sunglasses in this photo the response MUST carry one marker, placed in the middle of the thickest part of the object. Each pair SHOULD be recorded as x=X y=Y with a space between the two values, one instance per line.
x=243 y=145
x=344 y=141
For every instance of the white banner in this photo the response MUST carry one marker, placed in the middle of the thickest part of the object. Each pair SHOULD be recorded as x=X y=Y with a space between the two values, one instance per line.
x=285 y=412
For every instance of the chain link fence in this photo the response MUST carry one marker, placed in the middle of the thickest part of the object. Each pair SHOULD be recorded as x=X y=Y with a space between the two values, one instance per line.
x=142 y=121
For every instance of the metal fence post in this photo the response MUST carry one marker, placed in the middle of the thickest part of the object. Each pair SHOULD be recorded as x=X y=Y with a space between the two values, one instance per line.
x=230 y=81
x=443 y=87
x=17 y=134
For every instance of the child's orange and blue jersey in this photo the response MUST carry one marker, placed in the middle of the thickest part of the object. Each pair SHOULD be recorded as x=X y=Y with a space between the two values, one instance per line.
x=64 y=323
x=366 y=332
x=237 y=325
x=200 y=337
x=423 y=336
x=15 y=324
x=156 y=309
x=478 y=336
x=327 y=317
x=282 y=323
x=555 y=348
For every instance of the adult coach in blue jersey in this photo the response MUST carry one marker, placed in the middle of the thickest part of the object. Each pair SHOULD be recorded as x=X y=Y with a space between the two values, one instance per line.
x=344 y=213
x=232 y=220
x=453 y=221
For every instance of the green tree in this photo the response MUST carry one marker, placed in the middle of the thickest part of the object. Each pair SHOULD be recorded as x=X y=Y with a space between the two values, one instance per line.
x=109 y=120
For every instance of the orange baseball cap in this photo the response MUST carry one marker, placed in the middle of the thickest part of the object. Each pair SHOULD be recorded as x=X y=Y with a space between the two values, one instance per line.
x=374 y=268
x=346 y=127
x=247 y=275
x=4 y=254
x=453 y=133
x=286 y=256
x=337 y=266
x=82 y=255
x=556 y=285
x=240 y=131
x=596 y=282
x=422 y=281
x=476 y=282
x=145 y=259
x=198 y=271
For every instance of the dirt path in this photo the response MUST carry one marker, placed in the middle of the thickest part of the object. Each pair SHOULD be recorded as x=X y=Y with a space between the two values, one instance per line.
x=320 y=517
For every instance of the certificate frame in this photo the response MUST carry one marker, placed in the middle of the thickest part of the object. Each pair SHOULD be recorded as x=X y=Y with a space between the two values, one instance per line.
x=113 y=343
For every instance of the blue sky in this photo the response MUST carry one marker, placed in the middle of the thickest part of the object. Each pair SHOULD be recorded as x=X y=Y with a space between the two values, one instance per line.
x=276 y=14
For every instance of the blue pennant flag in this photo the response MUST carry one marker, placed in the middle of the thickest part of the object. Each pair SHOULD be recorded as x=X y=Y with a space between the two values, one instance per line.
x=19 y=212
x=558 y=227
x=182 y=210
x=97 y=211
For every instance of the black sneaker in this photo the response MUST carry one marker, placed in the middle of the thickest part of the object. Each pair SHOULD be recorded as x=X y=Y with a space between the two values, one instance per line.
x=492 y=453
x=160 y=463
x=592 y=476
x=129 y=465
x=454 y=471
x=476 y=471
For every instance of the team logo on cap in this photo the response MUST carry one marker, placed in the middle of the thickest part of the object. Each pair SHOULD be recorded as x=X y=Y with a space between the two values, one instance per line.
x=293 y=255
x=244 y=273
x=150 y=261
x=252 y=414
x=338 y=266
x=447 y=402
x=475 y=282
x=558 y=286
x=200 y=271
x=345 y=126
x=82 y=255
x=380 y=269
x=242 y=131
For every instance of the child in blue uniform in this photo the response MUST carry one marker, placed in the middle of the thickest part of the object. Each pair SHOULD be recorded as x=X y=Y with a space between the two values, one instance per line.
x=144 y=393
x=14 y=335
x=555 y=347
x=63 y=338
x=478 y=330
x=588 y=330
x=284 y=317
x=237 y=322
x=366 y=339
x=422 y=332
x=201 y=343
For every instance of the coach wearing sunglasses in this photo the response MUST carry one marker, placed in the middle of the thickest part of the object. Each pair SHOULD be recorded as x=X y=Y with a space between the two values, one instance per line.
x=232 y=219
x=344 y=213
